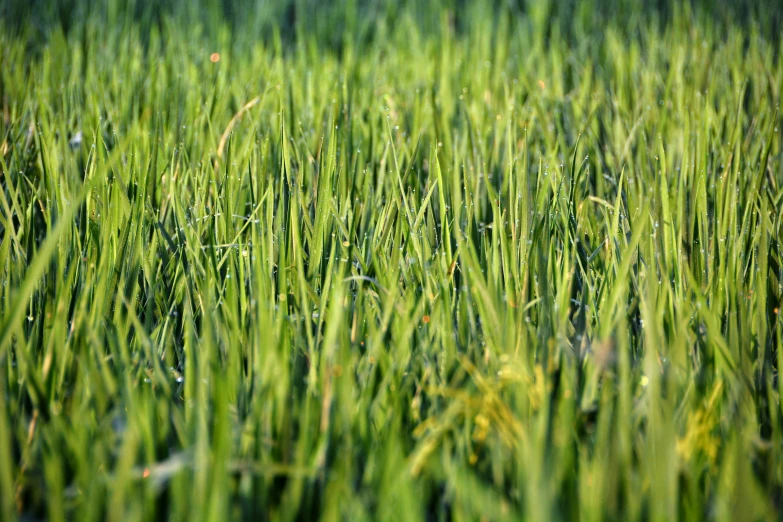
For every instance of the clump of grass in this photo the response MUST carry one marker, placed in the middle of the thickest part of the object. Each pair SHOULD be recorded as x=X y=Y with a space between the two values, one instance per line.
x=468 y=261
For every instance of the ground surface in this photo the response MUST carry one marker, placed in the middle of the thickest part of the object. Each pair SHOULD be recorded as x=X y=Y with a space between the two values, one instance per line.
x=382 y=261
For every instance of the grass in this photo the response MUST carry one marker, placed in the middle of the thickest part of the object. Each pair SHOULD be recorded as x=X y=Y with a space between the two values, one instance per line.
x=447 y=261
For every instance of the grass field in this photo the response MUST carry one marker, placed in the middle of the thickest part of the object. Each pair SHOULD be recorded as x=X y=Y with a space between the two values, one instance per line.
x=455 y=260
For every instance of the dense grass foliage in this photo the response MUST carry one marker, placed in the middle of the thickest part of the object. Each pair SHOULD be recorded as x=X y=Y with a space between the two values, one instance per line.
x=422 y=262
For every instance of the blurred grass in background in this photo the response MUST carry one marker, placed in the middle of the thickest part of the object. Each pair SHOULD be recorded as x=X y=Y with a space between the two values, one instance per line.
x=390 y=261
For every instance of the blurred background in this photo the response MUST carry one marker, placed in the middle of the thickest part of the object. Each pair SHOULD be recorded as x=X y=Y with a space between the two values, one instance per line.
x=335 y=24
